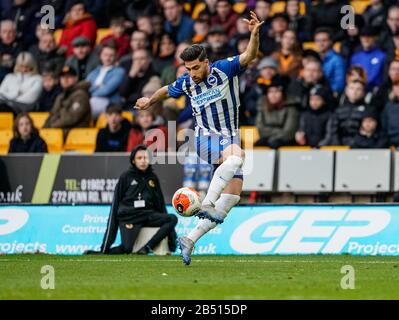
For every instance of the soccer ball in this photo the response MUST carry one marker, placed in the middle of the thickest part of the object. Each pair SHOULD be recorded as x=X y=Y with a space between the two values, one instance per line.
x=186 y=202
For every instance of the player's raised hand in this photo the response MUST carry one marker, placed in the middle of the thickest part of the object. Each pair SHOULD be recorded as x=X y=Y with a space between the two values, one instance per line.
x=253 y=24
x=142 y=103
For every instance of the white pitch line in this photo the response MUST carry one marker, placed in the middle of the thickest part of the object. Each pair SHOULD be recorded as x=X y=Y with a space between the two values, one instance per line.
x=205 y=261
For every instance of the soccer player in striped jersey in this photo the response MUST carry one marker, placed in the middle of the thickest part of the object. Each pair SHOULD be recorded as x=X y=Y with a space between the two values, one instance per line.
x=212 y=89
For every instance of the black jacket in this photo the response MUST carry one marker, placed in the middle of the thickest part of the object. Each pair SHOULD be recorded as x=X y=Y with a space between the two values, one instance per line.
x=113 y=142
x=377 y=140
x=133 y=185
x=346 y=121
x=34 y=145
x=314 y=124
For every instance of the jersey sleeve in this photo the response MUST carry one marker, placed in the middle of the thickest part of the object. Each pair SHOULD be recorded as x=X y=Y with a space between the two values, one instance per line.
x=230 y=66
x=175 y=90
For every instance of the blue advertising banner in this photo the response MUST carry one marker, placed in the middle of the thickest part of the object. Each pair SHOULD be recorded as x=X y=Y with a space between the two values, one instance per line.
x=316 y=229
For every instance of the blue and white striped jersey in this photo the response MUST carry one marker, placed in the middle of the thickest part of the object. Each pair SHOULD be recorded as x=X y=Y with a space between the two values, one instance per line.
x=215 y=101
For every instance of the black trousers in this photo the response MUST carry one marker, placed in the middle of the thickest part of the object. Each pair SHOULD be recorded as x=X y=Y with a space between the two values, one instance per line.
x=129 y=232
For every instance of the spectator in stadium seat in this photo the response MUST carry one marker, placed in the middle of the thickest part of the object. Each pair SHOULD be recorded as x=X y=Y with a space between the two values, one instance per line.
x=138 y=202
x=262 y=10
x=277 y=118
x=138 y=41
x=225 y=17
x=253 y=82
x=346 y=119
x=118 y=36
x=51 y=89
x=145 y=132
x=201 y=29
x=217 y=44
x=78 y=23
x=135 y=9
x=113 y=138
x=26 y=137
x=105 y=81
x=314 y=121
x=312 y=75
x=168 y=74
x=385 y=41
x=381 y=98
x=289 y=55
x=390 y=114
x=242 y=32
x=333 y=63
x=351 y=43
x=370 y=57
x=26 y=15
x=271 y=41
x=72 y=106
x=139 y=74
x=369 y=136
x=9 y=47
x=166 y=53
x=177 y=24
x=300 y=24
x=21 y=89
x=83 y=59
x=46 y=53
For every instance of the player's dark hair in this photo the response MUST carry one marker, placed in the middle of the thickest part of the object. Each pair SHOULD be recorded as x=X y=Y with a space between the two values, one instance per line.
x=194 y=52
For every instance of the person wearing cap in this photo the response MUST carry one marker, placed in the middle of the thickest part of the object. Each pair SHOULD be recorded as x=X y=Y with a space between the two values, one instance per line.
x=72 y=106
x=78 y=23
x=21 y=89
x=218 y=43
x=83 y=60
x=346 y=119
x=314 y=121
x=225 y=17
x=271 y=42
x=370 y=57
x=138 y=202
x=105 y=81
x=113 y=138
x=277 y=117
x=369 y=136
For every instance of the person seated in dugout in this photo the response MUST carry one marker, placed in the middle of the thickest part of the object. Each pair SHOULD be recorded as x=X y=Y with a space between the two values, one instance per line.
x=138 y=202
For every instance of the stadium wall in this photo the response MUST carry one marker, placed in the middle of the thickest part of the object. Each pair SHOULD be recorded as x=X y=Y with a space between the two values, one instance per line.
x=263 y=230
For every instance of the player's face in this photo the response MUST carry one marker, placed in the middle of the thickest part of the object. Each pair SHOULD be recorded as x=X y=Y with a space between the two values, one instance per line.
x=141 y=160
x=198 y=70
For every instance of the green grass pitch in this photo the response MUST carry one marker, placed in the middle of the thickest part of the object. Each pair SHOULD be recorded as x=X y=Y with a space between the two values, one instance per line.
x=208 y=277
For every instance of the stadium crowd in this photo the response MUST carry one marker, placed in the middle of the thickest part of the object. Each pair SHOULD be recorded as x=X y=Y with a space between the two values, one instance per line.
x=313 y=84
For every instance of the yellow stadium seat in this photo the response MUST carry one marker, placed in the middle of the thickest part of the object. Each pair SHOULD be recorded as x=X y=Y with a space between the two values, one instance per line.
x=6 y=120
x=199 y=7
x=335 y=148
x=102 y=121
x=360 y=5
x=39 y=118
x=249 y=135
x=295 y=148
x=101 y=33
x=5 y=137
x=54 y=139
x=81 y=140
x=310 y=45
x=279 y=6
x=239 y=7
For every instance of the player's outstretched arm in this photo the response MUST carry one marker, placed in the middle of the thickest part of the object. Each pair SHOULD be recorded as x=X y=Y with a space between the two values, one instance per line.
x=146 y=103
x=252 y=50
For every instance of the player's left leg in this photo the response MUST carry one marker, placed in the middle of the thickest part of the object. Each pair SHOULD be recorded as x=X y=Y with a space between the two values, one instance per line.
x=232 y=162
